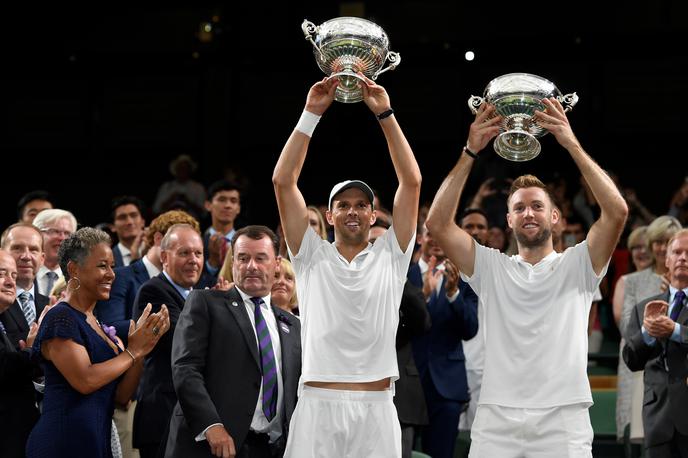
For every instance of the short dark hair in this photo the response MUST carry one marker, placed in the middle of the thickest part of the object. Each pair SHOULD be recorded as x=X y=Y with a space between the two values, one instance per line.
x=38 y=194
x=223 y=185
x=470 y=211
x=126 y=200
x=257 y=232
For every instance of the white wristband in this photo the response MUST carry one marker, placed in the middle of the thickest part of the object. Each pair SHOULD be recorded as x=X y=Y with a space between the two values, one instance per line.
x=307 y=123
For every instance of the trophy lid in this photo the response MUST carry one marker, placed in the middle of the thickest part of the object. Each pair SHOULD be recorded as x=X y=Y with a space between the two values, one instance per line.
x=524 y=83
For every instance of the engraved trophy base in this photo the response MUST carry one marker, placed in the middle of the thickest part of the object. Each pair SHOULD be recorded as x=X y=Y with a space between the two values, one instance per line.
x=517 y=146
x=349 y=89
x=518 y=143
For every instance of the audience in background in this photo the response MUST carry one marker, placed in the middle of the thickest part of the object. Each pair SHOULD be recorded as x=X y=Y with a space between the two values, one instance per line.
x=656 y=344
x=35 y=249
x=25 y=244
x=182 y=192
x=284 y=288
x=224 y=205
x=635 y=287
x=55 y=225
x=32 y=203
x=128 y=225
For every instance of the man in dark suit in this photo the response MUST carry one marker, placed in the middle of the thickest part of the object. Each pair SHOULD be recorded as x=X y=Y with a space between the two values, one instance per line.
x=453 y=308
x=658 y=344
x=128 y=223
x=181 y=254
x=129 y=279
x=225 y=377
x=17 y=395
x=223 y=205
x=24 y=243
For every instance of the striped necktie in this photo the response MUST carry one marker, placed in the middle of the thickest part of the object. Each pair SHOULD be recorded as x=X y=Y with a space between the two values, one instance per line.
x=267 y=362
x=24 y=300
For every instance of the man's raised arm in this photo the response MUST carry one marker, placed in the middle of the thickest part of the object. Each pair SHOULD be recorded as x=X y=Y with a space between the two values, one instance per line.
x=290 y=201
x=457 y=243
x=405 y=210
x=605 y=232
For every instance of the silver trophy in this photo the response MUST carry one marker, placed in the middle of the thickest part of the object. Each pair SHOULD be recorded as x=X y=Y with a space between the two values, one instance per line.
x=516 y=96
x=345 y=46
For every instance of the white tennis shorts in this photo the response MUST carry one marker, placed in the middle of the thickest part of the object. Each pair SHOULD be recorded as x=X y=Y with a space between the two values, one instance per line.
x=344 y=424
x=505 y=432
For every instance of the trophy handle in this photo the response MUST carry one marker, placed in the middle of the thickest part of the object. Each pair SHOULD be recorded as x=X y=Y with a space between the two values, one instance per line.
x=474 y=103
x=569 y=99
x=394 y=60
x=310 y=29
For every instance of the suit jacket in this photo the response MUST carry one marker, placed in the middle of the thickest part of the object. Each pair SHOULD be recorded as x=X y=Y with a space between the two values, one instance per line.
x=117 y=254
x=14 y=321
x=156 y=392
x=17 y=398
x=128 y=280
x=439 y=352
x=216 y=370
x=414 y=320
x=207 y=278
x=666 y=371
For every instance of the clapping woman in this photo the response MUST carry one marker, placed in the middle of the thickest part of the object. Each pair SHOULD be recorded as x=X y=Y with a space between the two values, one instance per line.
x=86 y=365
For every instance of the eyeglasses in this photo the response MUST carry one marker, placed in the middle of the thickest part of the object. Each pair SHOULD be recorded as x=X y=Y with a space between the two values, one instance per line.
x=51 y=231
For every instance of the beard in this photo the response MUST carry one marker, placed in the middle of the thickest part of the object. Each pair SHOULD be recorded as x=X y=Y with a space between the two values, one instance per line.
x=536 y=241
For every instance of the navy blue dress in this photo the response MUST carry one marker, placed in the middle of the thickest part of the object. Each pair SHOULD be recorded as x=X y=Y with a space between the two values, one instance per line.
x=72 y=424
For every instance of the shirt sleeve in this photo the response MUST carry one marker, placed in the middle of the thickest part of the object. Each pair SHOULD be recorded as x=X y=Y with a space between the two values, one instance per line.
x=58 y=322
x=309 y=244
x=402 y=259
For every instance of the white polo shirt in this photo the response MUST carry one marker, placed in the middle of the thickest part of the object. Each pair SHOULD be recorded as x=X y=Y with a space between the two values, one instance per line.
x=536 y=322
x=349 y=311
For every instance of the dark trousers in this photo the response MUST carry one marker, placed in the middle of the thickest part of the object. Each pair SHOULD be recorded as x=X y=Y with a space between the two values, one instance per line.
x=150 y=451
x=439 y=437
x=258 y=446
x=675 y=448
x=407 y=437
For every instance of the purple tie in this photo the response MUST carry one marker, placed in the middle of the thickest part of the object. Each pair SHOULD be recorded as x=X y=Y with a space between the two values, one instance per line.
x=678 y=305
x=267 y=362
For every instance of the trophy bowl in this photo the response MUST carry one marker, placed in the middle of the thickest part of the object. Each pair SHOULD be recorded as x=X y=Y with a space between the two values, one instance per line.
x=516 y=96
x=345 y=46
